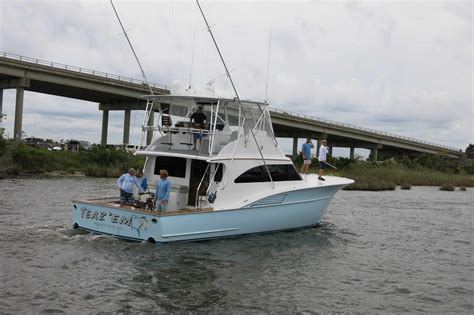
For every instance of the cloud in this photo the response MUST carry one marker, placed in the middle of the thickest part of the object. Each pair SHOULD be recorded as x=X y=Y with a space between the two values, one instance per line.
x=397 y=66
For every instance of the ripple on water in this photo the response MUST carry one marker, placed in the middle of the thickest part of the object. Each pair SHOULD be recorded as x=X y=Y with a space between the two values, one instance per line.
x=387 y=252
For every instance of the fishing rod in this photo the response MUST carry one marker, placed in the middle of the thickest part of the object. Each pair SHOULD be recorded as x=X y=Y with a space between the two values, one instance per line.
x=314 y=157
x=131 y=46
x=235 y=92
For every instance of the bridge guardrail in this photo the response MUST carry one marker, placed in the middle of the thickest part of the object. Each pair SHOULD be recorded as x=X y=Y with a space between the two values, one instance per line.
x=373 y=131
x=79 y=69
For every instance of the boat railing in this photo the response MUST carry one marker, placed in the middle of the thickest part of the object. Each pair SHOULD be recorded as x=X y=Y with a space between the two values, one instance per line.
x=183 y=130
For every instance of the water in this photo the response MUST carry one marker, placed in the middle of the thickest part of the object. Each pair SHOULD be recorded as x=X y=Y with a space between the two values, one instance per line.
x=375 y=252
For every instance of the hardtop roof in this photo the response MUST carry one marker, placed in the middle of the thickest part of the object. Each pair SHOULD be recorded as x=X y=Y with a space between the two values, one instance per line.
x=204 y=100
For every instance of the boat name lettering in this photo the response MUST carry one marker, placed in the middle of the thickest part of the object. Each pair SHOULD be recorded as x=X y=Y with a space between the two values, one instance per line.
x=101 y=215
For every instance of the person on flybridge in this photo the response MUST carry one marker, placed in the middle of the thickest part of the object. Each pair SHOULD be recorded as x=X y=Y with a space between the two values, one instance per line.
x=199 y=121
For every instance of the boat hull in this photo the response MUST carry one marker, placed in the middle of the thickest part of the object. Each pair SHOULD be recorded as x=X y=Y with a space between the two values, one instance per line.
x=291 y=210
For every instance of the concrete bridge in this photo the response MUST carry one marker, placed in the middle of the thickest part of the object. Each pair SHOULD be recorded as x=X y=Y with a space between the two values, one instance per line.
x=114 y=92
x=24 y=73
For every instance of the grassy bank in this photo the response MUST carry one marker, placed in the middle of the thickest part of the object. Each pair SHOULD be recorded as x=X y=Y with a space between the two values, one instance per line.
x=18 y=159
x=367 y=175
x=422 y=171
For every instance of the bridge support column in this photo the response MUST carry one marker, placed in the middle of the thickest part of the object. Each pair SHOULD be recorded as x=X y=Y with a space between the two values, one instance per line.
x=295 y=147
x=375 y=153
x=105 y=126
x=318 y=145
x=330 y=151
x=1 y=105
x=351 y=153
x=126 y=127
x=149 y=133
x=20 y=92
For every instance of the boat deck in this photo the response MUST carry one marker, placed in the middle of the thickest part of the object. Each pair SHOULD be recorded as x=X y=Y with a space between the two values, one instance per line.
x=115 y=203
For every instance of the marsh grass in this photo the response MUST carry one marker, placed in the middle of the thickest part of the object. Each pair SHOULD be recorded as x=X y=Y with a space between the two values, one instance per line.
x=447 y=187
x=400 y=174
x=405 y=186
x=388 y=174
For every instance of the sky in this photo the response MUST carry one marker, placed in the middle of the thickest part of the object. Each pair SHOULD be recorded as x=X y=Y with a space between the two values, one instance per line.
x=403 y=67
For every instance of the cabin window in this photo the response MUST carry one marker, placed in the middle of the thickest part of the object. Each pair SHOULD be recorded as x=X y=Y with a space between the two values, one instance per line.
x=176 y=167
x=279 y=172
x=218 y=176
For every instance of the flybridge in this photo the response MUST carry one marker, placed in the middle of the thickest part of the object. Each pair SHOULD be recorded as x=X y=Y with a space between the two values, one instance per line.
x=225 y=124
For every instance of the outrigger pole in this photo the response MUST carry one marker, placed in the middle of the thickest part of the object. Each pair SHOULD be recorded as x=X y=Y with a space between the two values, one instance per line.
x=235 y=91
x=131 y=46
x=149 y=105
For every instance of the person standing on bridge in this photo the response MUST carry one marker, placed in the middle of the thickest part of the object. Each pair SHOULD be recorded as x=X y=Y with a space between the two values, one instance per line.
x=306 y=150
x=125 y=183
x=323 y=153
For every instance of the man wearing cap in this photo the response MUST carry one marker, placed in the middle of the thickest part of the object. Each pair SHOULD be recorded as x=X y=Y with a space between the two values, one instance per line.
x=125 y=184
x=323 y=153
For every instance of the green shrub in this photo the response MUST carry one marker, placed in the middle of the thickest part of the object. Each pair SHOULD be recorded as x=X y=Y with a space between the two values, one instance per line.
x=33 y=160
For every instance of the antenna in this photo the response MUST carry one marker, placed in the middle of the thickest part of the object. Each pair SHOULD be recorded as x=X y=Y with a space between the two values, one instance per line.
x=268 y=65
x=235 y=91
x=131 y=46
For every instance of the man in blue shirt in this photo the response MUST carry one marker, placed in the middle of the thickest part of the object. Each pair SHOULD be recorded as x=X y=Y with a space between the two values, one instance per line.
x=306 y=150
x=125 y=184
x=142 y=180
x=163 y=188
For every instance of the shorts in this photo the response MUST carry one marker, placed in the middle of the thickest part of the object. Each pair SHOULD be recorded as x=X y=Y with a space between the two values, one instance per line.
x=198 y=136
x=323 y=165
x=126 y=197
x=307 y=162
x=161 y=206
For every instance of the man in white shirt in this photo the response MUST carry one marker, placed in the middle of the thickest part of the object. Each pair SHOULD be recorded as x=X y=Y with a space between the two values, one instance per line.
x=323 y=153
x=125 y=184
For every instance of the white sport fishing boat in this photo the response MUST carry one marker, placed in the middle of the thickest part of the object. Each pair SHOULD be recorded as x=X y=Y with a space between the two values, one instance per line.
x=238 y=181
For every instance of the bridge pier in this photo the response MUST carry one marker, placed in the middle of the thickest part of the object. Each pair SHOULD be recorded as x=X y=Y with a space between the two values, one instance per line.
x=295 y=146
x=1 y=105
x=352 y=151
x=375 y=153
x=20 y=92
x=105 y=126
x=126 y=127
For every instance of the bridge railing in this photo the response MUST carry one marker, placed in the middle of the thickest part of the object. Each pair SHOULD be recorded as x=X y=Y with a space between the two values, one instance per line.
x=80 y=70
x=354 y=127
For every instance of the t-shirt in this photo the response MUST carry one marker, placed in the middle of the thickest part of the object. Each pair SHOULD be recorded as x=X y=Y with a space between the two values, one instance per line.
x=126 y=183
x=198 y=118
x=306 y=151
x=323 y=152
x=163 y=190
